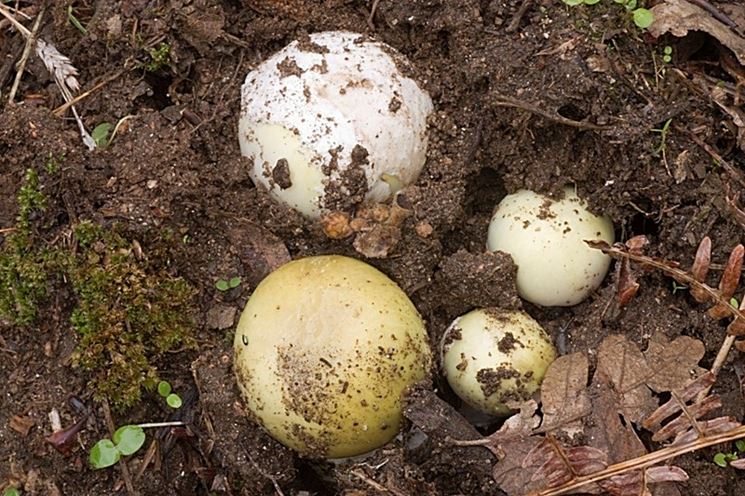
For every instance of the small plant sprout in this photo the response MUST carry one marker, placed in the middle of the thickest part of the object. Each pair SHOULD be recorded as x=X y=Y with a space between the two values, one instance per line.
x=491 y=357
x=228 y=284
x=723 y=459
x=100 y=134
x=678 y=287
x=331 y=122
x=126 y=441
x=172 y=399
x=667 y=54
x=11 y=491
x=546 y=239
x=324 y=349
x=75 y=22
x=643 y=18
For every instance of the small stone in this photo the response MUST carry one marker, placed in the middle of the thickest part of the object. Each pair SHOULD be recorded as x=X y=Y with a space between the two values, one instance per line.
x=423 y=229
x=221 y=317
x=336 y=225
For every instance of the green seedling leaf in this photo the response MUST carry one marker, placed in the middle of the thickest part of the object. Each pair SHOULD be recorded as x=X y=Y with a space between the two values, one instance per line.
x=668 y=50
x=720 y=459
x=104 y=454
x=630 y=5
x=643 y=18
x=164 y=388
x=591 y=2
x=222 y=285
x=740 y=445
x=100 y=134
x=129 y=438
x=733 y=301
x=174 y=401
x=234 y=282
x=11 y=491
x=572 y=3
x=75 y=22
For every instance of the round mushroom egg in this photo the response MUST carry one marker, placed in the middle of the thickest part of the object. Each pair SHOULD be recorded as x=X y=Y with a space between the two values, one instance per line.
x=491 y=357
x=324 y=349
x=546 y=239
x=333 y=120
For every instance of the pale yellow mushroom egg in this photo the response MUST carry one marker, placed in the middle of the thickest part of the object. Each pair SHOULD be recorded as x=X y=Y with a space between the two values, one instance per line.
x=324 y=349
x=491 y=357
x=546 y=239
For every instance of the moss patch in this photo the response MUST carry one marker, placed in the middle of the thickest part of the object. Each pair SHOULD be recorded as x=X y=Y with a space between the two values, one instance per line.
x=128 y=311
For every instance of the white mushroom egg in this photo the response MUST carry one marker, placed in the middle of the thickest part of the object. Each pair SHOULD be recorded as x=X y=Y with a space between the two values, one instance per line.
x=324 y=349
x=546 y=239
x=491 y=357
x=333 y=120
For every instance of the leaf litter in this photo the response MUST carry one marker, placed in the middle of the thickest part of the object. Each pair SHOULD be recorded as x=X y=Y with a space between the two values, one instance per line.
x=585 y=439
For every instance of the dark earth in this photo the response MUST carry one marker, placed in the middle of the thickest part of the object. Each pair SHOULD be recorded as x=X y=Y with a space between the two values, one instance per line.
x=527 y=94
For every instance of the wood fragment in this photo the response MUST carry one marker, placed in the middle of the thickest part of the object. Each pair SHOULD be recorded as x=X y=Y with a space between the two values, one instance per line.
x=700 y=269
x=27 y=50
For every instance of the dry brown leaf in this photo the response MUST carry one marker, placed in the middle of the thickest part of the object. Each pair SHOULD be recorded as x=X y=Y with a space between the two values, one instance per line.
x=260 y=250
x=673 y=364
x=627 y=371
x=678 y=17
x=564 y=393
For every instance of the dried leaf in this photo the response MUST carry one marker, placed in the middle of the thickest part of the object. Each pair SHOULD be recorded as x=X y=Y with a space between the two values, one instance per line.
x=707 y=428
x=673 y=364
x=626 y=368
x=728 y=283
x=700 y=269
x=21 y=424
x=671 y=407
x=678 y=17
x=260 y=251
x=564 y=393
x=683 y=423
x=627 y=285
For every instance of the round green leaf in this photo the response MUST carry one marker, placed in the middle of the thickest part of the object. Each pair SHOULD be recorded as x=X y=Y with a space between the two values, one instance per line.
x=222 y=285
x=103 y=454
x=668 y=50
x=740 y=445
x=591 y=2
x=174 y=400
x=11 y=491
x=235 y=282
x=630 y=5
x=643 y=18
x=720 y=459
x=164 y=388
x=129 y=438
x=572 y=3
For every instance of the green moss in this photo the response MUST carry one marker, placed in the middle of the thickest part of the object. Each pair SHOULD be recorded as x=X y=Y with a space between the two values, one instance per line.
x=159 y=58
x=128 y=311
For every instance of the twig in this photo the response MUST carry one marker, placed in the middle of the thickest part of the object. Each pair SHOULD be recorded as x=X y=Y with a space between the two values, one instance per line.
x=508 y=101
x=731 y=170
x=59 y=111
x=677 y=274
x=30 y=43
x=642 y=462
x=515 y=22
x=375 y=485
x=371 y=17
x=122 y=463
x=263 y=472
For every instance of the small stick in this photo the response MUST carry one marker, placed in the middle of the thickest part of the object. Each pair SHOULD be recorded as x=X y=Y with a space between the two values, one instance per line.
x=371 y=17
x=59 y=111
x=122 y=464
x=30 y=43
x=642 y=462
x=507 y=101
x=731 y=170
x=515 y=22
x=375 y=485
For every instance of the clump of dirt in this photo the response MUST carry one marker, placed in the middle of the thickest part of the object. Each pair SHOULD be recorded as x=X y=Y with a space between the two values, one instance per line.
x=527 y=95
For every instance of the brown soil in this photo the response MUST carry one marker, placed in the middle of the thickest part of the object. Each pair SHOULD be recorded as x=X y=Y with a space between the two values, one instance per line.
x=175 y=164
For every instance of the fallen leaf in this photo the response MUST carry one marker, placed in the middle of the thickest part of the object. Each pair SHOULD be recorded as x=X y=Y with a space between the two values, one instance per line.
x=21 y=424
x=627 y=371
x=673 y=364
x=564 y=393
x=678 y=17
x=260 y=251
